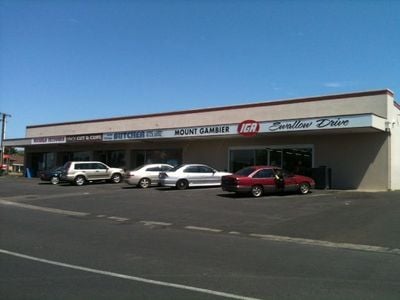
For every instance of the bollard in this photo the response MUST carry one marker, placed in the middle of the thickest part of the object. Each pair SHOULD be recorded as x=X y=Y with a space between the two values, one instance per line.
x=28 y=173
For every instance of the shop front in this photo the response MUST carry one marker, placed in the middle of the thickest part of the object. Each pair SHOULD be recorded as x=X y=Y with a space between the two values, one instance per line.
x=354 y=136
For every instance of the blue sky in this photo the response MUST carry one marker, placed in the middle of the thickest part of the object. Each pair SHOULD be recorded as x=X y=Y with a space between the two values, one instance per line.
x=77 y=60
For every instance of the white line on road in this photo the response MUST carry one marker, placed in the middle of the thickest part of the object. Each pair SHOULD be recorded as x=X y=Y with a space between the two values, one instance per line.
x=203 y=229
x=45 y=209
x=118 y=219
x=155 y=223
x=348 y=246
x=128 y=277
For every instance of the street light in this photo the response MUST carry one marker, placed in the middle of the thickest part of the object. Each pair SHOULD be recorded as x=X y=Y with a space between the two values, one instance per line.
x=3 y=135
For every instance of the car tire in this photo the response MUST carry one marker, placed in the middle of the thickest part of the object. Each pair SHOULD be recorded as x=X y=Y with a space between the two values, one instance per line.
x=144 y=183
x=257 y=191
x=116 y=178
x=304 y=188
x=182 y=184
x=54 y=180
x=79 y=180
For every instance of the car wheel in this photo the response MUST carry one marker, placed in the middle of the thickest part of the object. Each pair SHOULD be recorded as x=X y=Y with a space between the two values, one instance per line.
x=116 y=178
x=182 y=184
x=144 y=183
x=79 y=180
x=55 y=180
x=257 y=190
x=304 y=188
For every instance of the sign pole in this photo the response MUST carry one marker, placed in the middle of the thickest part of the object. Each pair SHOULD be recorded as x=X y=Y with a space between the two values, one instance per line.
x=3 y=135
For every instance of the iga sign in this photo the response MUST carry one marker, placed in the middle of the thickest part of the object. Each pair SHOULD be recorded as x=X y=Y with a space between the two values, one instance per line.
x=248 y=128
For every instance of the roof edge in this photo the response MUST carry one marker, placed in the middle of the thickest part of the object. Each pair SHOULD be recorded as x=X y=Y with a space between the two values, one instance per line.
x=218 y=108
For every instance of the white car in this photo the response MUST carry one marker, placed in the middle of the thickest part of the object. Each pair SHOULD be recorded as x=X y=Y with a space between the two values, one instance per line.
x=189 y=175
x=146 y=175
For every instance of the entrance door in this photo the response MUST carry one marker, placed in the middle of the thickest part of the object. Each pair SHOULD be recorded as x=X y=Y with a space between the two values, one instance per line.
x=297 y=160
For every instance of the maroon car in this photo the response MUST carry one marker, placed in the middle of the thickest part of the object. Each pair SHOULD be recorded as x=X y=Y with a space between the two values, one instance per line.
x=258 y=180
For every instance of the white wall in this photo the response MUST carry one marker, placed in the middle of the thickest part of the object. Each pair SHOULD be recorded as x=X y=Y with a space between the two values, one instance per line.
x=394 y=119
x=376 y=104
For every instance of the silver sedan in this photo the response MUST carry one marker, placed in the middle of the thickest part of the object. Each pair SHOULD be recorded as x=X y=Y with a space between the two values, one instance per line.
x=146 y=175
x=189 y=175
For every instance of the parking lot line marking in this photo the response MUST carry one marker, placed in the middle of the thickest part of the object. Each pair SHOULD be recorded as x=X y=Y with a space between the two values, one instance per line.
x=45 y=209
x=234 y=232
x=348 y=246
x=119 y=219
x=203 y=229
x=128 y=277
x=150 y=223
x=34 y=197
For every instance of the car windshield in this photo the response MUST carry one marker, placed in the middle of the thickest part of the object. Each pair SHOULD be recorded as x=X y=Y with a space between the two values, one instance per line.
x=245 y=171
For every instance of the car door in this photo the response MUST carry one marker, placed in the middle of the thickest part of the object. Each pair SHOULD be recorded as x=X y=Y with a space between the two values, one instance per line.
x=290 y=182
x=208 y=176
x=100 y=171
x=191 y=173
x=152 y=173
x=163 y=168
x=87 y=169
x=265 y=177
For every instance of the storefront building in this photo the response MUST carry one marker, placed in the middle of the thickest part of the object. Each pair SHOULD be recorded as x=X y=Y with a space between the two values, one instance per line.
x=354 y=137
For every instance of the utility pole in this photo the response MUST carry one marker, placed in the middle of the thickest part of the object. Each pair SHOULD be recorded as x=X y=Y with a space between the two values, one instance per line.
x=3 y=135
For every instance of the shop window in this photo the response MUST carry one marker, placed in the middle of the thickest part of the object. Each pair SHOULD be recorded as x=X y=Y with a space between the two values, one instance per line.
x=116 y=158
x=81 y=156
x=113 y=158
x=167 y=156
x=275 y=157
x=241 y=158
x=296 y=160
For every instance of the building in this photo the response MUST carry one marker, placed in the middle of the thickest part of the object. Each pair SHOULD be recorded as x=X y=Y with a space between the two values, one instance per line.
x=14 y=163
x=356 y=136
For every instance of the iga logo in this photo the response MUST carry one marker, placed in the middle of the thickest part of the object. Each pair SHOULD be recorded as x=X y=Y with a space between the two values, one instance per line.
x=248 y=128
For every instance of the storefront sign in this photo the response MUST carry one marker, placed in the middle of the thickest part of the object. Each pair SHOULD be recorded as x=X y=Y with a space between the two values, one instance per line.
x=203 y=131
x=48 y=140
x=132 y=135
x=85 y=138
x=248 y=128
x=170 y=133
x=318 y=123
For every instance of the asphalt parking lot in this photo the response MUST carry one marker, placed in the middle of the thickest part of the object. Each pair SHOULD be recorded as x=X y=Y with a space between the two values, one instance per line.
x=199 y=243
x=337 y=216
